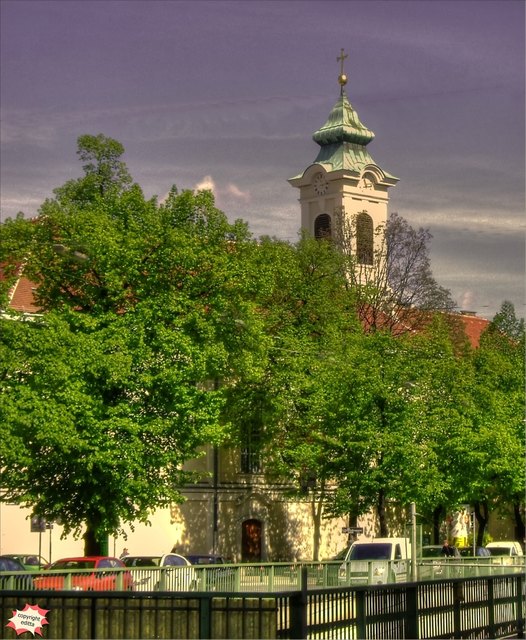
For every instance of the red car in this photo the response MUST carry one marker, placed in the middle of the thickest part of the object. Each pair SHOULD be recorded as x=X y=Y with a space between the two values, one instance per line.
x=95 y=573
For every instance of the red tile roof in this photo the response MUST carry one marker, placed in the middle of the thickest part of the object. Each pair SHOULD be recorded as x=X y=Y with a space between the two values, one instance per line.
x=21 y=299
x=22 y=293
x=414 y=320
x=474 y=326
x=22 y=296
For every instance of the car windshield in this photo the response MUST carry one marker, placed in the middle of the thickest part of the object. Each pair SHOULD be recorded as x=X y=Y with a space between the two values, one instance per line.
x=9 y=564
x=131 y=561
x=431 y=552
x=371 y=552
x=73 y=564
x=499 y=551
x=205 y=559
x=174 y=561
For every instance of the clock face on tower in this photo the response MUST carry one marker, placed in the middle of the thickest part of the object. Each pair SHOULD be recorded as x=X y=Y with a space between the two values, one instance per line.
x=320 y=184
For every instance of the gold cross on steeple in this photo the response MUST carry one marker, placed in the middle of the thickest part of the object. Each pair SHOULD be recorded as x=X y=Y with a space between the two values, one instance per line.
x=342 y=79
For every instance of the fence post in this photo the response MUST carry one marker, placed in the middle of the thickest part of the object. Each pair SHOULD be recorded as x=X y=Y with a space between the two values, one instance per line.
x=520 y=611
x=298 y=609
x=458 y=597
x=491 y=607
x=205 y=610
x=93 y=617
x=361 y=621
x=411 y=621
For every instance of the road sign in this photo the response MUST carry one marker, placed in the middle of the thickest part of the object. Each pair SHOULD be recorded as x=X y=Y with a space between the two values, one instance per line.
x=353 y=531
x=38 y=525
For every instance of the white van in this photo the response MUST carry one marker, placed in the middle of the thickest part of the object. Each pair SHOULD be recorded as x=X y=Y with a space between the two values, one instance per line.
x=378 y=561
x=505 y=548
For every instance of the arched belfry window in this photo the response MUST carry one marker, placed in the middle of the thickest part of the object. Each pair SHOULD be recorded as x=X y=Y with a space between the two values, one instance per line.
x=322 y=227
x=364 y=238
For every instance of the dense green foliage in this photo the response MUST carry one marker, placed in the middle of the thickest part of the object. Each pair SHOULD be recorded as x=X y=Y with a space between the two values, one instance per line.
x=164 y=327
x=496 y=456
x=105 y=397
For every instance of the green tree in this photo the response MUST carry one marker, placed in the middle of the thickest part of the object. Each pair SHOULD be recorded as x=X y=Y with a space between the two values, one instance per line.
x=506 y=322
x=104 y=170
x=340 y=407
x=398 y=279
x=309 y=319
x=388 y=432
x=496 y=450
x=103 y=401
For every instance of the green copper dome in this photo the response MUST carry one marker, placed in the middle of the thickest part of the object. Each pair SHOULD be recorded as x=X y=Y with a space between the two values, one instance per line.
x=343 y=140
x=343 y=125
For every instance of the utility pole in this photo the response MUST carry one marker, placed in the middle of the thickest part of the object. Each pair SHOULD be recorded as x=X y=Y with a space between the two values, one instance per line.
x=413 y=543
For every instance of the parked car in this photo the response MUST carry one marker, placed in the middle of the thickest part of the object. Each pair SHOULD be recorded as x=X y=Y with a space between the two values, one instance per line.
x=329 y=571
x=13 y=575
x=436 y=551
x=380 y=560
x=95 y=573
x=436 y=568
x=29 y=560
x=505 y=548
x=467 y=552
x=169 y=572
x=340 y=555
x=205 y=559
x=213 y=577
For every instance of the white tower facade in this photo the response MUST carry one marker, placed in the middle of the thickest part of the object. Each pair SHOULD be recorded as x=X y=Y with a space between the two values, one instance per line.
x=344 y=194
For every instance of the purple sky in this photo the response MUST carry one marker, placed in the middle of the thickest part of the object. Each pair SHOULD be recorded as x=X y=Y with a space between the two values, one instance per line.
x=228 y=94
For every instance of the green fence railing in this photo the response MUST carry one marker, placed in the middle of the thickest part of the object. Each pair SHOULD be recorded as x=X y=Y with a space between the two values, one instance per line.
x=482 y=607
x=267 y=577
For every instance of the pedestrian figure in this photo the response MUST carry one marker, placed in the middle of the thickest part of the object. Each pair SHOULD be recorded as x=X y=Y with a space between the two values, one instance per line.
x=447 y=550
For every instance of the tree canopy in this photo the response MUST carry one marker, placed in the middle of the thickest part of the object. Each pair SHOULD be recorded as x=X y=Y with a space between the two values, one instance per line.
x=164 y=327
x=107 y=395
x=398 y=280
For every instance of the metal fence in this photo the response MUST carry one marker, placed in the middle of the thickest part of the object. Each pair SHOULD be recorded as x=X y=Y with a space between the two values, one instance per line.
x=265 y=577
x=129 y=615
x=484 y=607
x=477 y=607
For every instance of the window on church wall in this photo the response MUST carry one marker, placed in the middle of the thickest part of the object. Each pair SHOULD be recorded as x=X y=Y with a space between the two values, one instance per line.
x=364 y=238
x=251 y=450
x=322 y=227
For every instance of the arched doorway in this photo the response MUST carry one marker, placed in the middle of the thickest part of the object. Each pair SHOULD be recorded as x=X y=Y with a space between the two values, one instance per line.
x=251 y=538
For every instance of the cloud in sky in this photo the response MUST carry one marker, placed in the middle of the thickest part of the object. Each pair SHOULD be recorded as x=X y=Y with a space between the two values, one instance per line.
x=227 y=94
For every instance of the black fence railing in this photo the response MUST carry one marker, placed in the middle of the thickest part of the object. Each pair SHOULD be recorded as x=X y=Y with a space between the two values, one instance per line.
x=484 y=607
x=481 y=607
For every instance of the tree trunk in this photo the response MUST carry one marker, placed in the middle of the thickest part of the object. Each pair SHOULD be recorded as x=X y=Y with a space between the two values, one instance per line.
x=381 y=514
x=437 y=513
x=520 y=532
x=482 y=515
x=317 y=511
x=92 y=545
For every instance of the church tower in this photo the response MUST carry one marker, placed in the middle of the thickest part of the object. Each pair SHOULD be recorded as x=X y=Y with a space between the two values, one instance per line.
x=344 y=193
